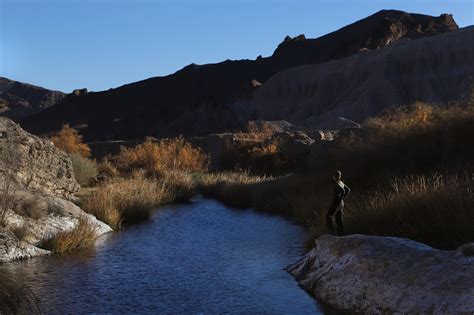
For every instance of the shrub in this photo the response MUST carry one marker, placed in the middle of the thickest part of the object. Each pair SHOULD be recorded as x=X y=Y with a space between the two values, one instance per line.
x=131 y=199
x=158 y=157
x=85 y=170
x=107 y=169
x=83 y=235
x=70 y=141
x=392 y=167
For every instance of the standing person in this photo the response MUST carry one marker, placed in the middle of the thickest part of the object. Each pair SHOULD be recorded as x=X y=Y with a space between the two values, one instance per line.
x=335 y=212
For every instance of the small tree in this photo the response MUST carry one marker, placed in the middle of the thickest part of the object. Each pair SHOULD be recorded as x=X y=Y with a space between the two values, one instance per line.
x=70 y=141
x=10 y=159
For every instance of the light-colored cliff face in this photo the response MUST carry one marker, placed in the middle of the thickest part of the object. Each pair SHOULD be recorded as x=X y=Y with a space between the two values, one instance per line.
x=434 y=69
x=39 y=165
x=374 y=275
x=35 y=207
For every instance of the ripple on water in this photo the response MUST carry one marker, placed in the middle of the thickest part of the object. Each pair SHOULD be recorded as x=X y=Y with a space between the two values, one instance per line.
x=200 y=257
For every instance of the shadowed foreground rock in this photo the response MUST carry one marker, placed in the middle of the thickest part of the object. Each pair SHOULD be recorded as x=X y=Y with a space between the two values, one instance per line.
x=371 y=274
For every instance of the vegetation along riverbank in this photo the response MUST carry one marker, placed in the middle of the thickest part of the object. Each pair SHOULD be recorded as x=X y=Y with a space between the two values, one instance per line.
x=410 y=170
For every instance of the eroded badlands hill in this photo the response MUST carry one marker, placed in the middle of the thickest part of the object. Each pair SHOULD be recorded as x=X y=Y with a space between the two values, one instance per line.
x=194 y=100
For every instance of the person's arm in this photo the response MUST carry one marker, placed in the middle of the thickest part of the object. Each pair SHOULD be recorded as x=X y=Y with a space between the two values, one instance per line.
x=347 y=191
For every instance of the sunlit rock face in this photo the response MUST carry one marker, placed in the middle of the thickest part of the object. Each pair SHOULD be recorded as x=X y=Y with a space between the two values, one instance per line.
x=41 y=186
x=370 y=274
x=40 y=166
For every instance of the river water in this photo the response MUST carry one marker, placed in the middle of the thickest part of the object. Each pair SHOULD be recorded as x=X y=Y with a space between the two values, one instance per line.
x=196 y=258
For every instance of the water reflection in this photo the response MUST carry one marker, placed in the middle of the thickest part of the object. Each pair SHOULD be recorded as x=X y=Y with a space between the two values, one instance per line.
x=199 y=257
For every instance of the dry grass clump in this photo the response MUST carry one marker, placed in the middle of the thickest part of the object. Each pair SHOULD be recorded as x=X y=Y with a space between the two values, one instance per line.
x=84 y=235
x=70 y=141
x=182 y=185
x=434 y=209
x=259 y=158
x=418 y=118
x=107 y=169
x=238 y=189
x=130 y=199
x=140 y=179
x=257 y=131
x=389 y=166
x=158 y=157
x=211 y=179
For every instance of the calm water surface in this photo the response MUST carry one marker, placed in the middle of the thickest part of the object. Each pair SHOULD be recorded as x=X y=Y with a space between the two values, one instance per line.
x=198 y=258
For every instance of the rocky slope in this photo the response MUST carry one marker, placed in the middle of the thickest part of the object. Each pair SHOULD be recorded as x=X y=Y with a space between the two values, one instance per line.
x=36 y=205
x=436 y=69
x=193 y=101
x=374 y=275
x=19 y=99
x=37 y=164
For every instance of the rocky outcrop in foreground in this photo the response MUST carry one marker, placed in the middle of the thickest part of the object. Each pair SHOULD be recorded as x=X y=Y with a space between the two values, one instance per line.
x=36 y=205
x=38 y=218
x=370 y=274
x=37 y=164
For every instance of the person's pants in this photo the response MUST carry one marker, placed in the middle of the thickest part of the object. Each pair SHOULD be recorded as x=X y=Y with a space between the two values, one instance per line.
x=335 y=213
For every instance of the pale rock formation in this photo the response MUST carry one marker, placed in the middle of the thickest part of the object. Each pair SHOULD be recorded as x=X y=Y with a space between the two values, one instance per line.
x=42 y=181
x=41 y=166
x=435 y=69
x=13 y=249
x=374 y=275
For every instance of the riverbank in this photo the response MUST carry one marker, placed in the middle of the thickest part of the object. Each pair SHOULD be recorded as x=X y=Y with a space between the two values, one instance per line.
x=37 y=187
x=195 y=257
x=410 y=172
x=372 y=275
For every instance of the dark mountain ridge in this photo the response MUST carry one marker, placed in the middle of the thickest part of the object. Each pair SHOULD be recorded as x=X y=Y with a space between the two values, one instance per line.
x=18 y=99
x=194 y=100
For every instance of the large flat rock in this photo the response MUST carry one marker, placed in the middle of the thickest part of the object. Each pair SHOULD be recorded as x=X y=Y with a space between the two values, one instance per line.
x=370 y=274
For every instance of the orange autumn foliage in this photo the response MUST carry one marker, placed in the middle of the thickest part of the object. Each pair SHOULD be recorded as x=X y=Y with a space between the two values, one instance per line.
x=70 y=141
x=167 y=154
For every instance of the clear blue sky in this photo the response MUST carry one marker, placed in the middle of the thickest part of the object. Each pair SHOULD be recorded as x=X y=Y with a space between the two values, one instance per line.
x=99 y=44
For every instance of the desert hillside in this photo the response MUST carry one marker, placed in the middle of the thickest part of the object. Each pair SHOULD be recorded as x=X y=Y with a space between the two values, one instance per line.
x=195 y=99
x=18 y=99
x=436 y=69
